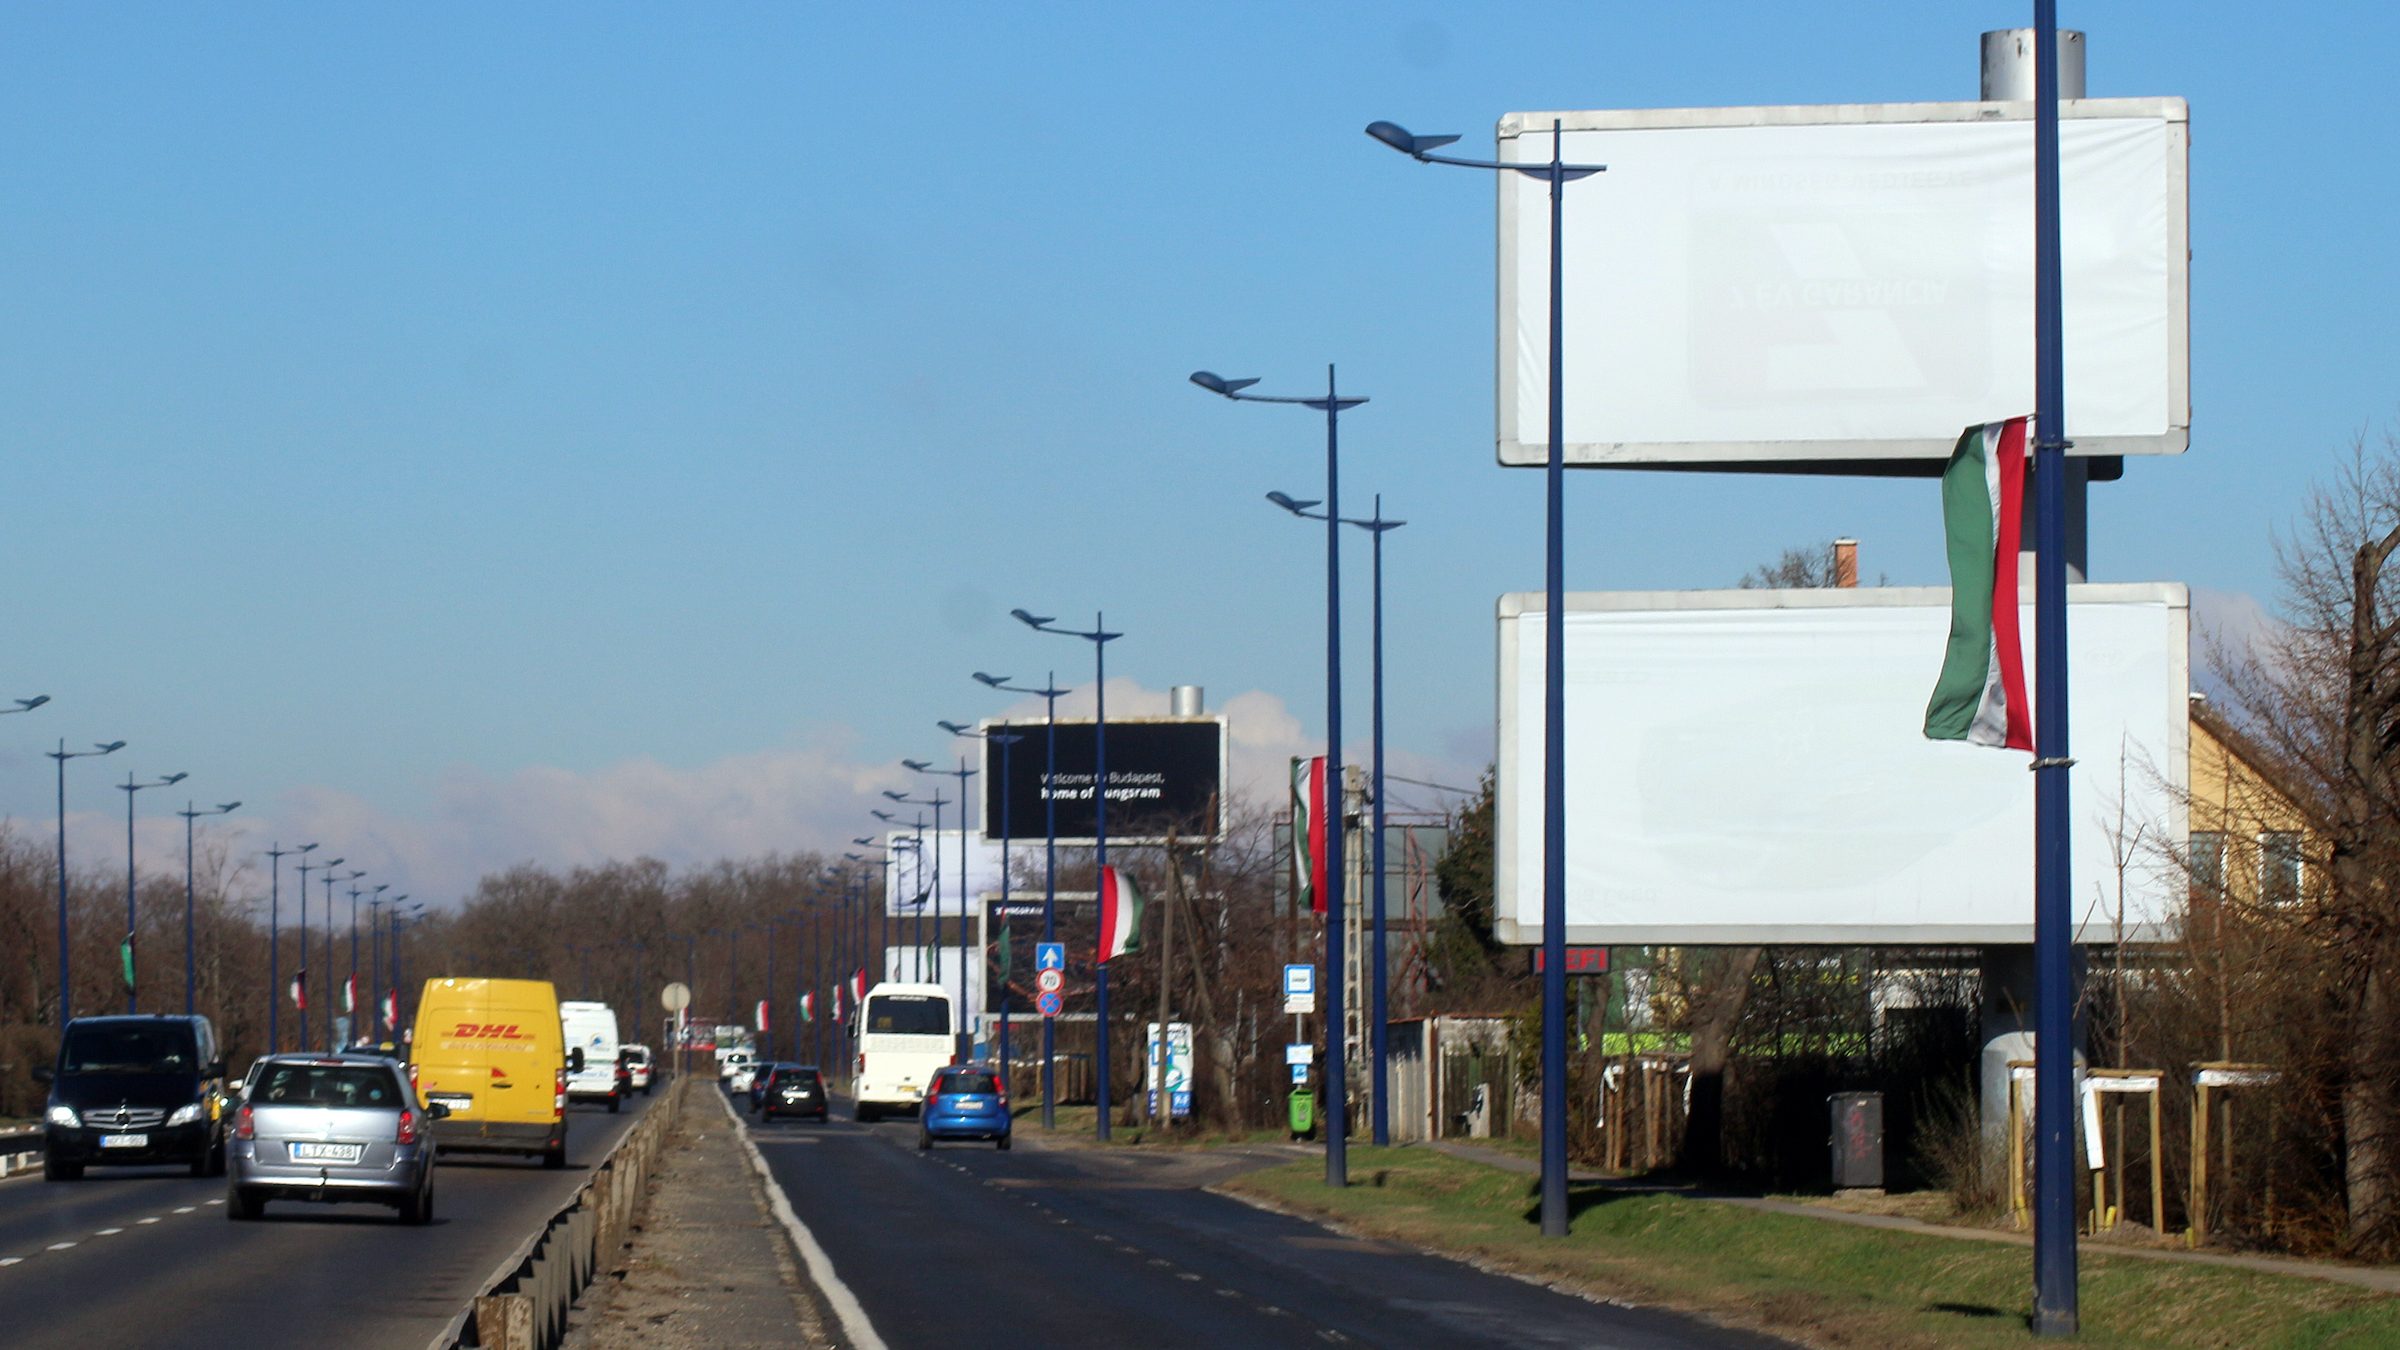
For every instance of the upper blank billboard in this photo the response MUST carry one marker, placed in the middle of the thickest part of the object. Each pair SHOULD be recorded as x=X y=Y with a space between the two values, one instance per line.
x=1750 y=766
x=1754 y=286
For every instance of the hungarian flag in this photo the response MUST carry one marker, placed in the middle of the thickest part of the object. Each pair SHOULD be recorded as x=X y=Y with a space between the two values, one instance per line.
x=1308 y=829
x=125 y=953
x=1980 y=697
x=350 y=996
x=762 y=1014
x=391 y=1007
x=1120 y=913
x=300 y=990
x=858 y=995
x=808 y=1007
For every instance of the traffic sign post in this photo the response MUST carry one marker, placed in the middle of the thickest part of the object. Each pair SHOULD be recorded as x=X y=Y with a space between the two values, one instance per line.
x=1049 y=956
x=1299 y=989
x=1047 y=1003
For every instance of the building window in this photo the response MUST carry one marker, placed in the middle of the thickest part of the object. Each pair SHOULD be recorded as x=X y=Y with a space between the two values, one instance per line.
x=2205 y=857
x=2279 y=867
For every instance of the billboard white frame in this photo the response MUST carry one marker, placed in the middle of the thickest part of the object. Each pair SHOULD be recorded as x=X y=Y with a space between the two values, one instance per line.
x=1750 y=767
x=1774 y=285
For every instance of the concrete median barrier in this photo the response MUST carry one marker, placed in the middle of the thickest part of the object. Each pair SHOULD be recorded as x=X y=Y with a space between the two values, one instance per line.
x=524 y=1303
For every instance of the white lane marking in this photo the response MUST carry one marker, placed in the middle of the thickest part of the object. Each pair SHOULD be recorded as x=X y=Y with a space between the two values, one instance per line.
x=218 y=1201
x=152 y=1219
x=845 y=1305
x=108 y=1232
x=183 y=1209
x=58 y=1246
x=7 y=1261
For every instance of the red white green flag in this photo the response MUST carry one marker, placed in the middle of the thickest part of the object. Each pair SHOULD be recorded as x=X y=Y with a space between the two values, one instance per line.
x=762 y=1015
x=1980 y=697
x=1308 y=829
x=1120 y=913
x=391 y=1007
x=808 y=1007
x=858 y=993
x=300 y=991
x=350 y=996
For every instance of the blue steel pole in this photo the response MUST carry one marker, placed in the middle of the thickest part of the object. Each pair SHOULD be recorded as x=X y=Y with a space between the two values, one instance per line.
x=1006 y=741
x=1382 y=1077
x=2055 y=1304
x=1050 y=885
x=1554 y=747
x=1100 y=637
x=191 y=813
x=66 y=1003
x=1337 y=1075
x=963 y=1011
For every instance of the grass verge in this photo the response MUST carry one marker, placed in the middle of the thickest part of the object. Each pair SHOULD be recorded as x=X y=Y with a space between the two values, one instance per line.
x=1076 y=1126
x=1815 y=1281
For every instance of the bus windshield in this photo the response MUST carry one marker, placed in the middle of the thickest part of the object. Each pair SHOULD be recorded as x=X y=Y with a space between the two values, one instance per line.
x=908 y=1015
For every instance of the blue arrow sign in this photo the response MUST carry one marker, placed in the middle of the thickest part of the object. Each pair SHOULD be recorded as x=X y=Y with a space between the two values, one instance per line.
x=1049 y=956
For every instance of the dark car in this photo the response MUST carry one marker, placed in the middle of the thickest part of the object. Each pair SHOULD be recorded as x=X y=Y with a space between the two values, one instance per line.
x=134 y=1090
x=795 y=1090
x=964 y=1101
x=758 y=1083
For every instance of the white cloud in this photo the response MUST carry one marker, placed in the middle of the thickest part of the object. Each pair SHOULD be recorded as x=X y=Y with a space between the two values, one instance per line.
x=814 y=795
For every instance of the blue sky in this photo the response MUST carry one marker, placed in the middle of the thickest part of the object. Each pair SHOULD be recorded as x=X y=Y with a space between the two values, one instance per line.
x=469 y=433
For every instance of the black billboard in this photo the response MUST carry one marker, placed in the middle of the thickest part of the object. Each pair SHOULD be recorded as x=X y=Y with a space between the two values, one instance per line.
x=1162 y=773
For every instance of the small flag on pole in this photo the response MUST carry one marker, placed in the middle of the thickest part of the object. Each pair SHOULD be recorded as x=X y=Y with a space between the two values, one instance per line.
x=300 y=990
x=1980 y=695
x=125 y=952
x=350 y=996
x=762 y=1015
x=808 y=1007
x=391 y=1008
x=1120 y=913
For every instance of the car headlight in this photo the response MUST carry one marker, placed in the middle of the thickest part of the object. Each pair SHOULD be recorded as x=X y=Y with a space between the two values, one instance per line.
x=64 y=1115
x=185 y=1115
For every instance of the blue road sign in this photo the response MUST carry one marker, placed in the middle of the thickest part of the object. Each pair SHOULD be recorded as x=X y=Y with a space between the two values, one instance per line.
x=1049 y=956
x=1047 y=1003
x=1299 y=980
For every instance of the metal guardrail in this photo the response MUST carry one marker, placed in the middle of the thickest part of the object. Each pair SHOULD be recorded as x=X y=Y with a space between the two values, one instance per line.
x=15 y=1156
x=524 y=1302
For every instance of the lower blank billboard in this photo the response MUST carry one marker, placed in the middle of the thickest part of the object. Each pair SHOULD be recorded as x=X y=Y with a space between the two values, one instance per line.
x=1750 y=766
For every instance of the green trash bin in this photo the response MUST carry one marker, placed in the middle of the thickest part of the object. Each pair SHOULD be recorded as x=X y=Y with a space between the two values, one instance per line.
x=1303 y=1105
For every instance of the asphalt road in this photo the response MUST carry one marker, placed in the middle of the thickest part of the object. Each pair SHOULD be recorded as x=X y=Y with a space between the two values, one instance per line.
x=144 y=1257
x=1050 y=1247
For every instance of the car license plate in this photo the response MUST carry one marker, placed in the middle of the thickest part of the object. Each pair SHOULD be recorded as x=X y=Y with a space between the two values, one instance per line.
x=124 y=1141
x=970 y=1106
x=342 y=1153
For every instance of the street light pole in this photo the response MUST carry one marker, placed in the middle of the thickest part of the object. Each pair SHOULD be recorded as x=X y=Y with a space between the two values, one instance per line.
x=1337 y=1075
x=1099 y=637
x=66 y=998
x=1049 y=694
x=1004 y=740
x=333 y=1042
x=1554 y=662
x=962 y=773
x=189 y=815
x=131 y=954
x=275 y=857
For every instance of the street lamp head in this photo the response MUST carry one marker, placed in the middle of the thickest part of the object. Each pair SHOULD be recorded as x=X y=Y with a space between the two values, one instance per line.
x=1218 y=384
x=1297 y=508
x=895 y=796
x=992 y=681
x=954 y=728
x=109 y=747
x=228 y=808
x=305 y=848
x=1401 y=139
x=29 y=704
x=917 y=764
x=172 y=779
x=884 y=816
x=1031 y=620
x=334 y=863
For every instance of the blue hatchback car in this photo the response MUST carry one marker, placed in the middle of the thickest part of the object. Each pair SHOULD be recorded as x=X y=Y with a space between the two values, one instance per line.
x=964 y=1101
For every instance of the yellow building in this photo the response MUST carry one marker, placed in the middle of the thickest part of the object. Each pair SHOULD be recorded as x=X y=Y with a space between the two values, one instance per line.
x=2255 y=836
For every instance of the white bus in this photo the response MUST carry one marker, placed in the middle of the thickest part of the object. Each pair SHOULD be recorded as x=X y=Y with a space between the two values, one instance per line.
x=904 y=1036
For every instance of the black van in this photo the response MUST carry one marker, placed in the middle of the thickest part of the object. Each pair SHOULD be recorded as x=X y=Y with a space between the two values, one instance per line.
x=134 y=1089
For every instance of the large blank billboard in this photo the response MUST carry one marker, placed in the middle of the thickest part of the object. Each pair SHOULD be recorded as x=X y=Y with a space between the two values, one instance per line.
x=1750 y=766
x=1754 y=286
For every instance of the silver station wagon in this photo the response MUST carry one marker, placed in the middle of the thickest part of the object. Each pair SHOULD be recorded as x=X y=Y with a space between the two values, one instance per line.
x=331 y=1128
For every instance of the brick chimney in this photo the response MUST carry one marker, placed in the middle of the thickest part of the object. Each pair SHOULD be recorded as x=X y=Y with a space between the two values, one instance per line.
x=1845 y=563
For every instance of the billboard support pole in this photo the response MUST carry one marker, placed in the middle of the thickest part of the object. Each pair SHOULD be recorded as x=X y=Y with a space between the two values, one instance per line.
x=2054 y=1280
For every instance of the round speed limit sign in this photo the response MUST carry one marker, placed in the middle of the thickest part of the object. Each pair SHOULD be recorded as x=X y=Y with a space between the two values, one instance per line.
x=1050 y=981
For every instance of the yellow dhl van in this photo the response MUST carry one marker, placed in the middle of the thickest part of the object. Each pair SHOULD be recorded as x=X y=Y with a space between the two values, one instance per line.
x=493 y=1052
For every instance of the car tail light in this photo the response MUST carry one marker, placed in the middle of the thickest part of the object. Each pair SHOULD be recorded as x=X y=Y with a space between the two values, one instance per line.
x=408 y=1127
x=933 y=1100
x=244 y=1127
x=558 y=1101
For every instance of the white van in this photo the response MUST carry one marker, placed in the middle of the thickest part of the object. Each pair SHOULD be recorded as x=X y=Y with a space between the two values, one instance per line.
x=905 y=1035
x=592 y=1028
